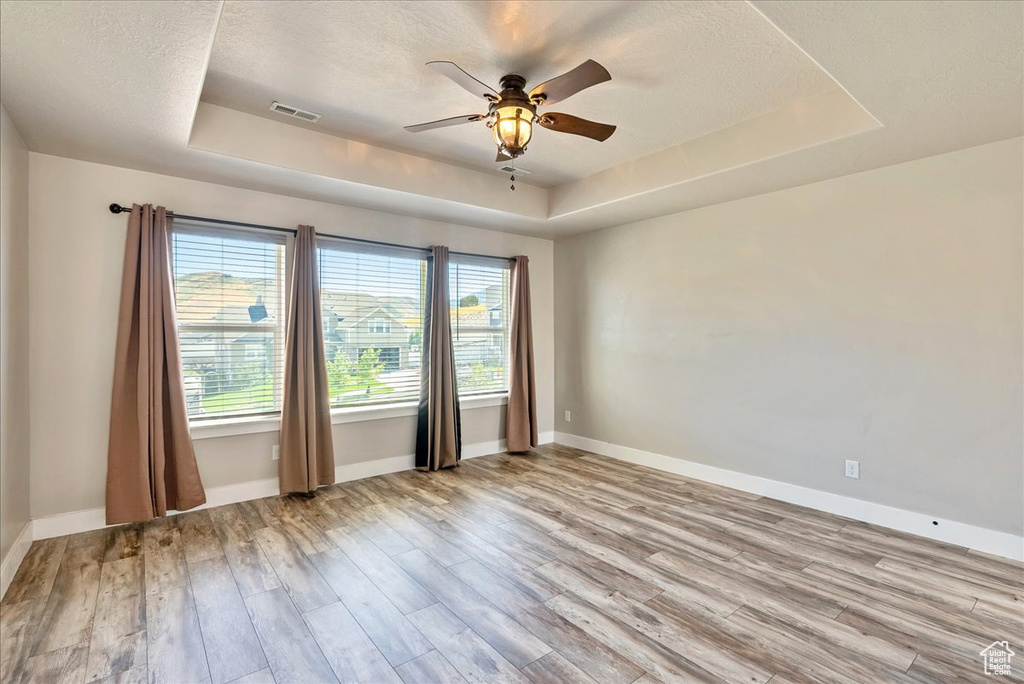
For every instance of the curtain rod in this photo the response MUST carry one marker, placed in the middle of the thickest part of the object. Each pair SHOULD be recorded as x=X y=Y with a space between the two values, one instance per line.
x=116 y=208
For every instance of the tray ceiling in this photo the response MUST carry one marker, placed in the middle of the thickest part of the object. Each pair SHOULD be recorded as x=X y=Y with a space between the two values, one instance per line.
x=680 y=70
x=714 y=101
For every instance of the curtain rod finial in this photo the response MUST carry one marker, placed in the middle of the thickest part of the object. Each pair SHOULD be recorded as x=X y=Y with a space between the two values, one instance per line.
x=116 y=208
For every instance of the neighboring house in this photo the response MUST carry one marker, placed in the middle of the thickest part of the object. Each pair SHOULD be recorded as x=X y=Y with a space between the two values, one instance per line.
x=355 y=322
x=227 y=332
x=483 y=322
x=479 y=338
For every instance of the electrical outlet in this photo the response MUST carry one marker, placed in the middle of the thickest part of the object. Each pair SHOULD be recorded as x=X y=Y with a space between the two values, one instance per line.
x=276 y=454
x=853 y=469
x=568 y=416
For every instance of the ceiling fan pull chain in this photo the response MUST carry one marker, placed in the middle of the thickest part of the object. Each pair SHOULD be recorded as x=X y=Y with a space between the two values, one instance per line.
x=513 y=176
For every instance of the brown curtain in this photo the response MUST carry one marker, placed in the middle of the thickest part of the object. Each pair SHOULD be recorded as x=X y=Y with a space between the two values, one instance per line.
x=439 y=426
x=307 y=446
x=151 y=466
x=521 y=426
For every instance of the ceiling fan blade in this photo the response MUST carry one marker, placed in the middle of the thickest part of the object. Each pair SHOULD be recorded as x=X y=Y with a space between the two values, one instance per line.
x=452 y=121
x=567 y=123
x=502 y=157
x=454 y=72
x=588 y=74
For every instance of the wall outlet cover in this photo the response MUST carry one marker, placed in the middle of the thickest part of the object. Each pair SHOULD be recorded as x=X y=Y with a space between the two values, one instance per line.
x=276 y=454
x=853 y=469
x=568 y=416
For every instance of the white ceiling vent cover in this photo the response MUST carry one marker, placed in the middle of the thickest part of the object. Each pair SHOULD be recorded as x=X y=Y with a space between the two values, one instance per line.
x=287 y=110
x=509 y=169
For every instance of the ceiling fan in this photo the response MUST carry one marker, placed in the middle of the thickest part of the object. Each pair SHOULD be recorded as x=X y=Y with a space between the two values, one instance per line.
x=512 y=112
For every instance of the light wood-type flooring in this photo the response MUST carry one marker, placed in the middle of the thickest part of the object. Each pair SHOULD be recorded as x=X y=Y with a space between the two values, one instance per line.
x=558 y=567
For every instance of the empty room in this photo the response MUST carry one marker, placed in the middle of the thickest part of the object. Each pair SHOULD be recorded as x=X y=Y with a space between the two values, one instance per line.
x=524 y=342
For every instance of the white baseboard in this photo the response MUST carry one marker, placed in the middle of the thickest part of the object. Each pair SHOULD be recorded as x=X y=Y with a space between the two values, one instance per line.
x=15 y=555
x=977 y=538
x=95 y=518
x=950 y=531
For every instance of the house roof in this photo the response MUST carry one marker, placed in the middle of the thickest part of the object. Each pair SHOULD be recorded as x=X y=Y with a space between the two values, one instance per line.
x=470 y=316
x=352 y=307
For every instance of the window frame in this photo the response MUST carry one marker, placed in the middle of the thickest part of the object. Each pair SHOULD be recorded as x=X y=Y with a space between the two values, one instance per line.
x=383 y=328
x=340 y=244
x=487 y=329
x=216 y=425
x=284 y=263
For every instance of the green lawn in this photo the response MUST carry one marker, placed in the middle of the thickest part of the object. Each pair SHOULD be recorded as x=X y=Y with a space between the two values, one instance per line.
x=256 y=398
x=361 y=392
x=261 y=397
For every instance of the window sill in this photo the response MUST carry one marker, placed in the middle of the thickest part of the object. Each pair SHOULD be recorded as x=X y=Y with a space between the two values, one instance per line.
x=227 y=427
x=355 y=414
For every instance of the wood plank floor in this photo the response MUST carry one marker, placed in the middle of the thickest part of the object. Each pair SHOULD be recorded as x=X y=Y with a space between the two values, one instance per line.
x=559 y=567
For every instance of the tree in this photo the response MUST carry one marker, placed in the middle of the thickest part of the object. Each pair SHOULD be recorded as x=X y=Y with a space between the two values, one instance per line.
x=246 y=374
x=474 y=376
x=469 y=300
x=340 y=373
x=344 y=375
x=369 y=366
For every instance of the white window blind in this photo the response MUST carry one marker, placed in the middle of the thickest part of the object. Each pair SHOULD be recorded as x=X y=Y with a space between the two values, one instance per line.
x=229 y=290
x=371 y=300
x=479 y=291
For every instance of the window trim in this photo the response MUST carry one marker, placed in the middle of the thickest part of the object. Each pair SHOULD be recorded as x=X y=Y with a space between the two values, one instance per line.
x=228 y=427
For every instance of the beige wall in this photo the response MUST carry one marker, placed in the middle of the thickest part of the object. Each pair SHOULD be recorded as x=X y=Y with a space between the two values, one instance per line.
x=14 y=425
x=875 y=317
x=77 y=248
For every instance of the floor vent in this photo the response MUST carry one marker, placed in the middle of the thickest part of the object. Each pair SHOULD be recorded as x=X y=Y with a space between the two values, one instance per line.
x=311 y=117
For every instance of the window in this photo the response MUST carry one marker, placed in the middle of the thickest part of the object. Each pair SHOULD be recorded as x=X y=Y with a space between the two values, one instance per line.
x=371 y=300
x=229 y=297
x=380 y=325
x=479 y=291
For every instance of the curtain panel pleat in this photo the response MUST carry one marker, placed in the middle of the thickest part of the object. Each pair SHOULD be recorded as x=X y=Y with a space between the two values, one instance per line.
x=521 y=417
x=307 y=445
x=439 y=423
x=151 y=464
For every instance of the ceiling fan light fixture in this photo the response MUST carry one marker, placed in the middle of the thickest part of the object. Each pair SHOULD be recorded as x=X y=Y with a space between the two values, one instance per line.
x=512 y=112
x=513 y=128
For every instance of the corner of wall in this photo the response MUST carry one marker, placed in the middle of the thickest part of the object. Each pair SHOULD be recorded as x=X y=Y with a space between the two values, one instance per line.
x=15 y=530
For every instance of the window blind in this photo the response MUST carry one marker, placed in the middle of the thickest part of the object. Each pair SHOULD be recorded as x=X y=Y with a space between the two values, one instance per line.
x=229 y=290
x=371 y=301
x=479 y=291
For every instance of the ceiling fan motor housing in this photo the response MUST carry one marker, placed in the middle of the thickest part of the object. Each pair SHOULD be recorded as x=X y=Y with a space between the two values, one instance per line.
x=512 y=116
x=512 y=113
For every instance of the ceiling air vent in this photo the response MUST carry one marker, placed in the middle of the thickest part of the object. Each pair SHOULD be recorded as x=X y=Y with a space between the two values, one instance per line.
x=508 y=169
x=311 y=117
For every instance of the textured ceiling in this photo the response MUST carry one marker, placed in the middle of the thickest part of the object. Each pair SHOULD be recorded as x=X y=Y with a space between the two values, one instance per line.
x=116 y=82
x=119 y=83
x=679 y=70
